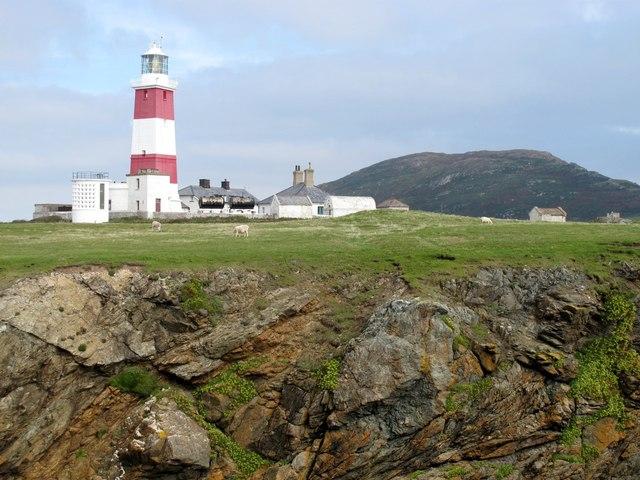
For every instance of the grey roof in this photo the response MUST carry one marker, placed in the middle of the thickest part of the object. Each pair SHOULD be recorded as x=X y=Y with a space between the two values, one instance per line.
x=286 y=200
x=554 y=211
x=300 y=190
x=266 y=201
x=198 y=191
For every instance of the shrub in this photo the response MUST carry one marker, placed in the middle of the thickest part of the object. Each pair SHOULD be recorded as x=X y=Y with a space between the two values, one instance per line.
x=461 y=341
x=81 y=453
x=82 y=347
x=463 y=394
x=137 y=381
x=328 y=373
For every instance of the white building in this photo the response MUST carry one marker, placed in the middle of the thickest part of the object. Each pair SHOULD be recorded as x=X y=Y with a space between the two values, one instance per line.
x=90 y=197
x=152 y=192
x=339 y=206
x=312 y=202
x=555 y=214
x=202 y=199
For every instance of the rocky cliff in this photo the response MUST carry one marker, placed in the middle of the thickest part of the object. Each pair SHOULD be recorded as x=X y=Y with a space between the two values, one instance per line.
x=528 y=373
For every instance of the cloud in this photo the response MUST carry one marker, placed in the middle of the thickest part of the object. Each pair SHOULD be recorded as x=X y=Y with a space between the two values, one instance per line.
x=627 y=130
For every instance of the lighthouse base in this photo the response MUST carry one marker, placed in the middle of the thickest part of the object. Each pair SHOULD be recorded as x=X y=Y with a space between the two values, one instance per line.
x=152 y=193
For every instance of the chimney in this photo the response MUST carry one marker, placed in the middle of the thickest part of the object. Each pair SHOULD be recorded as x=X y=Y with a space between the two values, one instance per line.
x=204 y=183
x=297 y=175
x=308 y=176
x=225 y=184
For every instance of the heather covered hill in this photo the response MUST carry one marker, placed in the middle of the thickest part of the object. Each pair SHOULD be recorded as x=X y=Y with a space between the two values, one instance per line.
x=503 y=184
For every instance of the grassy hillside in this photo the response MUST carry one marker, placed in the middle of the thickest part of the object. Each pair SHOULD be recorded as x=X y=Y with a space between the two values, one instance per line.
x=420 y=246
x=504 y=184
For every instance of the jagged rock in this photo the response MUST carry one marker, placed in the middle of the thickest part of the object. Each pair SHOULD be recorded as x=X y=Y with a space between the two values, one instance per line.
x=164 y=439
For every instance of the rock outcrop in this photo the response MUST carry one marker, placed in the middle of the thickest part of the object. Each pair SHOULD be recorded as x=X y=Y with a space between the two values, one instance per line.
x=473 y=382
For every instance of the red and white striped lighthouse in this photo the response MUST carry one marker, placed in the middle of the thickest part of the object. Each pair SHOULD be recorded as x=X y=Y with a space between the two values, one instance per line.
x=153 y=144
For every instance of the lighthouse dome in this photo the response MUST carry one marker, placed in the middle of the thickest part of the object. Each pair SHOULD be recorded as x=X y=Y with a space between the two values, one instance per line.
x=154 y=60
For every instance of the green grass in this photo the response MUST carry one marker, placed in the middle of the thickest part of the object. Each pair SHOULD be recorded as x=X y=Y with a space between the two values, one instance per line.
x=463 y=394
x=365 y=243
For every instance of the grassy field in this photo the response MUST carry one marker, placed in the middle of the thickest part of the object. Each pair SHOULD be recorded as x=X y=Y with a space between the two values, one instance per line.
x=420 y=246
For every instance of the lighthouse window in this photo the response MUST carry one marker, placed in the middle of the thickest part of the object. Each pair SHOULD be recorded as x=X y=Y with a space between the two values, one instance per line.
x=137 y=185
x=146 y=94
x=164 y=95
x=138 y=205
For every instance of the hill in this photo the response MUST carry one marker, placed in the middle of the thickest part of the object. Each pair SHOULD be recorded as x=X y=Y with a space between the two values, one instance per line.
x=503 y=184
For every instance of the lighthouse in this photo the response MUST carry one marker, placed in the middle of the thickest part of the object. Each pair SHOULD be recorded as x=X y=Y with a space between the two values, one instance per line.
x=153 y=172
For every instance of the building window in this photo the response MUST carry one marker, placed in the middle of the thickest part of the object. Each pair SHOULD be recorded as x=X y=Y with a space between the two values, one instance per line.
x=109 y=204
x=138 y=205
x=320 y=210
x=102 y=196
x=164 y=95
x=146 y=94
x=158 y=202
x=137 y=184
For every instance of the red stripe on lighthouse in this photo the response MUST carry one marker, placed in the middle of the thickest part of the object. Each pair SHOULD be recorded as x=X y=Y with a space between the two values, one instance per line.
x=153 y=103
x=165 y=164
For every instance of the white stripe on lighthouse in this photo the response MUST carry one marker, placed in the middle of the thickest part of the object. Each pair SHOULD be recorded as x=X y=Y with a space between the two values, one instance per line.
x=153 y=135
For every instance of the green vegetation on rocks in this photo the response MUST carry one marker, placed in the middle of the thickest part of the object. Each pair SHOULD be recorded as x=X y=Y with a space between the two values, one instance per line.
x=230 y=382
x=136 y=380
x=327 y=374
x=194 y=298
x=464 y=394
x=601 y=363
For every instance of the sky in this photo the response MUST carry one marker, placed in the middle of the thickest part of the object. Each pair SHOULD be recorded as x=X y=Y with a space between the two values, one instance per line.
x=268 y=84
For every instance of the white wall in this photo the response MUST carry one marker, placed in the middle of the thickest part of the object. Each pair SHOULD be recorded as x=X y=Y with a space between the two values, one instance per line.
x=146 y=188
x=535 y=216
x=338 y=206
x=119 y=196
x=294 y=211
x=86 y=204
x=153 y=135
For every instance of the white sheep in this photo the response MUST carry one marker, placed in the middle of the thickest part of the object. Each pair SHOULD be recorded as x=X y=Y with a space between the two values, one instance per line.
x=156 y=226
x=241 y=230
x=486 y=220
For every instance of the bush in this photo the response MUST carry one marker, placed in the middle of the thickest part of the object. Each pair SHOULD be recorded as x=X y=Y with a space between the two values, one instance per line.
x=82 y=347
x=328 y=373
x=136 y=380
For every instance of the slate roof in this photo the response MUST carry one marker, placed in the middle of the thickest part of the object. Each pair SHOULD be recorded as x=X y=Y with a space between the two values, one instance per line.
x=393 y=203
x=198 y=191
x=285 y=200
x=300 y=190
x=554 y=211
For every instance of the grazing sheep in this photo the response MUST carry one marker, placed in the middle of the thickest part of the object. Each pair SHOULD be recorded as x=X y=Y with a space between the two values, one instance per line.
x=156 y=226
x=241 y=230
x=486 y=220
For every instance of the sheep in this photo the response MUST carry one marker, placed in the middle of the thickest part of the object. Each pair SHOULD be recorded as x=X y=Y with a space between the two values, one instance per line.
x=241 y=230
x=156 y=226
x=486 y=220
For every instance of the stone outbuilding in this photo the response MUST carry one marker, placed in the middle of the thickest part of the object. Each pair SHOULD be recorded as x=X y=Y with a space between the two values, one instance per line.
x=393 y=204
x=554 y=214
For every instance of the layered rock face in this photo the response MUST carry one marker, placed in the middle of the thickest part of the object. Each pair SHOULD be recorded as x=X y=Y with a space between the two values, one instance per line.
x=473 y=382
